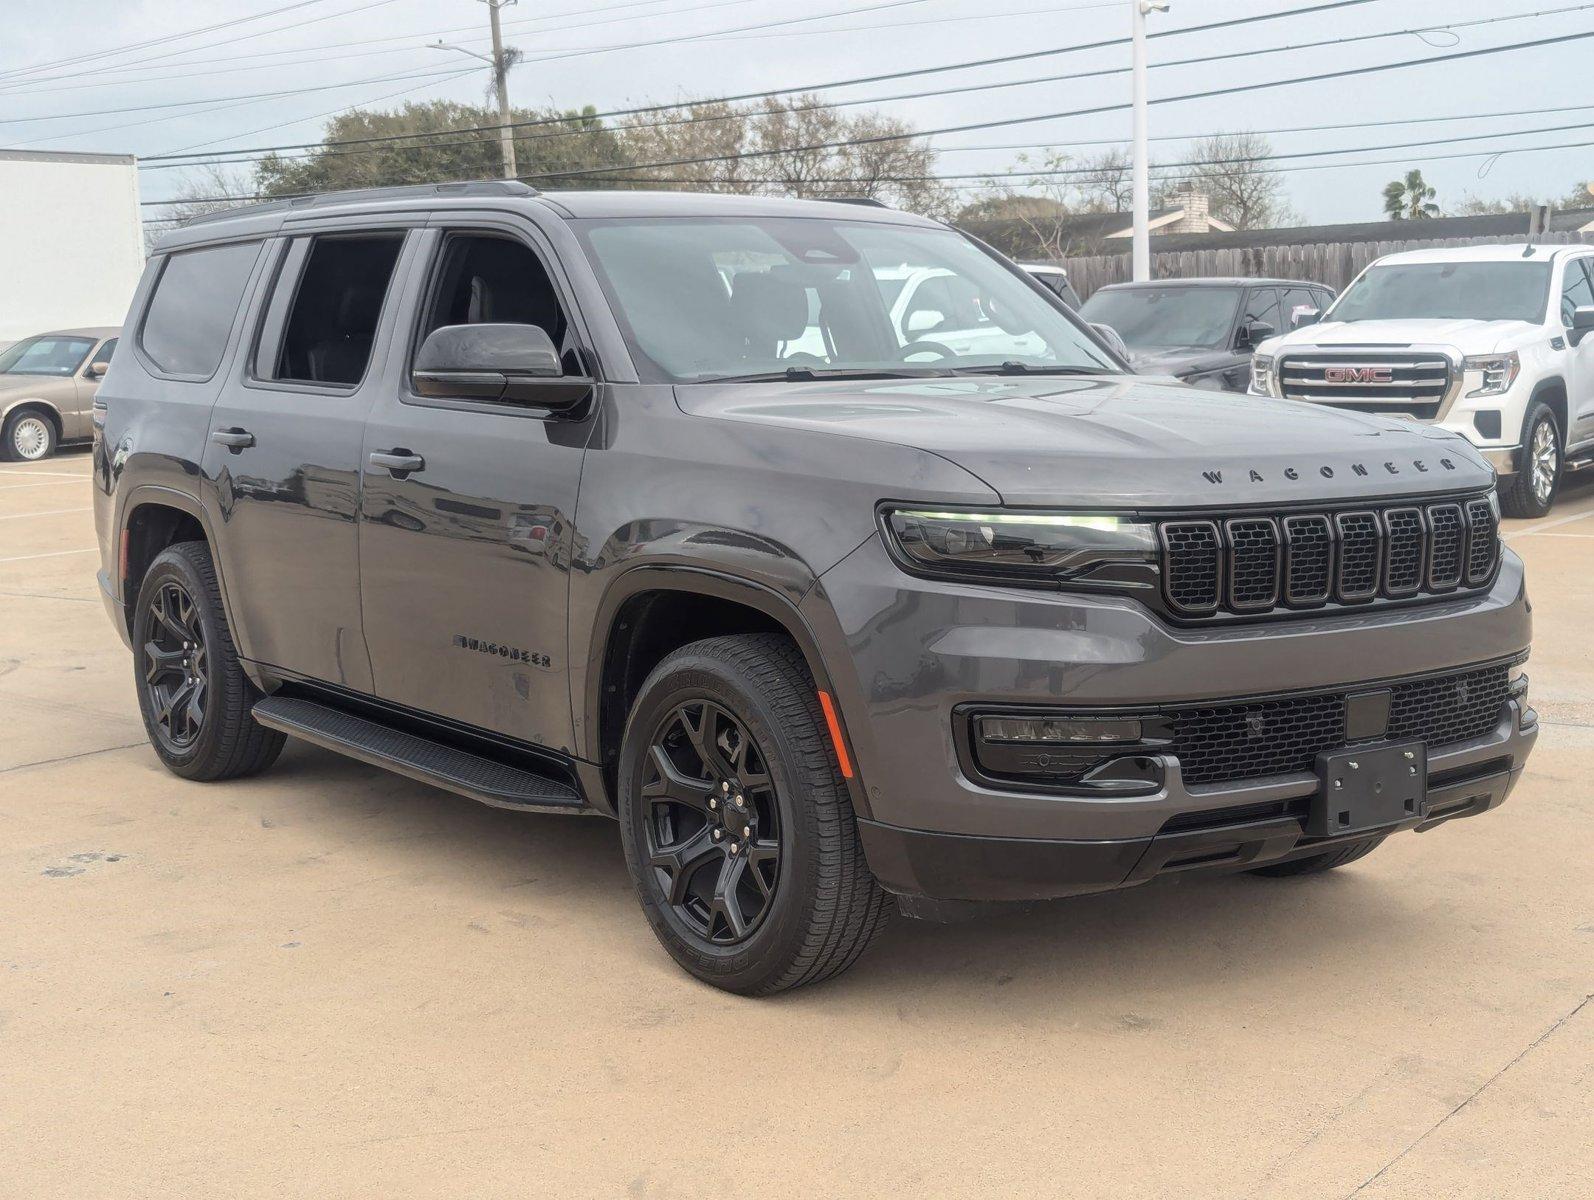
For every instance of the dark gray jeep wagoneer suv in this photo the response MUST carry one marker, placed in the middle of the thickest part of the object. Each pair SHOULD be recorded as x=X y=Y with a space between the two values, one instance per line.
x=655 y=506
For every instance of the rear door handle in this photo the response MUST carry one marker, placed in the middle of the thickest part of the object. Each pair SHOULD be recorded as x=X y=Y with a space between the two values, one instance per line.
x=234 y=439
x=399 y=462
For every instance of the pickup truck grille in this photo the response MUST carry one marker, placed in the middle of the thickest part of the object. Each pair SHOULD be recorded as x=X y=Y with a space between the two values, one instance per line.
x=1410 y=384
x=1263 y=563
x=1253 y=739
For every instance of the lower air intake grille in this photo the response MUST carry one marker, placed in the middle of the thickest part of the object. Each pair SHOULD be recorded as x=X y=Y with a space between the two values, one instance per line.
x=1250 y=740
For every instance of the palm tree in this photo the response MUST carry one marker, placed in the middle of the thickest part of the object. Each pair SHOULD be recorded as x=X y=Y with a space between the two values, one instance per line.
x=1410 y=199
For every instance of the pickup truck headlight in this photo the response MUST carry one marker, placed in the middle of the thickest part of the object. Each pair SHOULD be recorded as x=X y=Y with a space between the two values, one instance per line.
x=1019 y=547
x=1262 y=374
x=1497 y=373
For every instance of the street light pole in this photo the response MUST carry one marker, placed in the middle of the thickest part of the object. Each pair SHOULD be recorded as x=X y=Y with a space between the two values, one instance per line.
x=506 y=136
x=1141 y=258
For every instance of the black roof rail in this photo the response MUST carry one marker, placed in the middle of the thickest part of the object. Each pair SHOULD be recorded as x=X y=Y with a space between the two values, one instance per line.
x=865 y=201
x=404 y=191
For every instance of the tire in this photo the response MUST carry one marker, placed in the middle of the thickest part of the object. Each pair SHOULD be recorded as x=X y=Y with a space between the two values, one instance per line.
x=744 y=708
x=194 y=696
x=1532 y=489
x=29 y=436
x=1316 y=864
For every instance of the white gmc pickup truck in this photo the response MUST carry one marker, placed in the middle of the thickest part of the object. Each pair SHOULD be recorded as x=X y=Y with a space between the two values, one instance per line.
x=1491 y=342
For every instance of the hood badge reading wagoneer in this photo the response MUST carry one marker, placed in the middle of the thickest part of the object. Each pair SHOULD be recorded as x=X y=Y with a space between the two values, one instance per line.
x=1361 y=470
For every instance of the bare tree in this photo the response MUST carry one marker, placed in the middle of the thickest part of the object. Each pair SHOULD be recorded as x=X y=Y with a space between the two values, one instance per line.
x=1230 y=168
x=210 y=188
x=1106 y=182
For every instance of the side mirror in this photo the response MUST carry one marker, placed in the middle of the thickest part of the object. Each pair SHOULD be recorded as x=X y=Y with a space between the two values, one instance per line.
x=1256 y=333
x=1582 y=322
x=1304 y=316
x=97 y=369
x=1110 y=335
x=506 y=364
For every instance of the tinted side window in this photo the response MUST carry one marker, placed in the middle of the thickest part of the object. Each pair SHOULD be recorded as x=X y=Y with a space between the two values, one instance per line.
x=336 y=305
x=186 y=325
x=488 y=280
x=1262 y=305
x=1296 y=299
x=1576 y=291
x=103 y=355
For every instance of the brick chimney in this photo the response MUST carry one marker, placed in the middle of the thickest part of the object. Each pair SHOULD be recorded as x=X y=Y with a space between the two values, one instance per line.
x=1197 y=207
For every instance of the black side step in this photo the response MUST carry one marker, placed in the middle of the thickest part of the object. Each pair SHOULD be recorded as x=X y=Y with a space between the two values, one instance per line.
x=419 y=758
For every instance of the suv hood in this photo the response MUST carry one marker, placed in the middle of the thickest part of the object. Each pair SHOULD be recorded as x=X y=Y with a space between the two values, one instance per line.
x=1468 y=336
x=1117 y=441
x=1180 y=360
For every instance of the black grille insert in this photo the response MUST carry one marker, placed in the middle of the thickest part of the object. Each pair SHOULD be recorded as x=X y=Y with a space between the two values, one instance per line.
x=1359 y=555
x=1251 y=740
x=1449 y=533
x=1192 y=561
x=1259 y=563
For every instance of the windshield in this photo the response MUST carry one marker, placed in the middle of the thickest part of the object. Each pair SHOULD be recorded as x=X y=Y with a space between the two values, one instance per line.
x=45 y=356
x=1149 y=318
x=707 y=299
x=1471 y=291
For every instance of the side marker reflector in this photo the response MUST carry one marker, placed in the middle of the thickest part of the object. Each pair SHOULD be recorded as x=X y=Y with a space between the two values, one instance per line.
x=836 y=739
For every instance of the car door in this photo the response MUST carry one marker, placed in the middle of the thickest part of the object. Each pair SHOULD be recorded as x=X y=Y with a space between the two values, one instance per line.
x=283 y=457
x=466 y=510
x=78 y=423
x=1577 y=291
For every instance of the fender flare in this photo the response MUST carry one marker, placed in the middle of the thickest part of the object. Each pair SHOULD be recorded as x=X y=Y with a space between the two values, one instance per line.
x=159 y=495
x=654 y=577
x=11 y=406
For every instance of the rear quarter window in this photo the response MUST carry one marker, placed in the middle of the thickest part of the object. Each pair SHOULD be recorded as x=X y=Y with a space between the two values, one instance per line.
x=196 y=298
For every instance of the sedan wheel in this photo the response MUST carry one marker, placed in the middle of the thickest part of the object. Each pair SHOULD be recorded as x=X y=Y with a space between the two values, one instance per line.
x=32 y=438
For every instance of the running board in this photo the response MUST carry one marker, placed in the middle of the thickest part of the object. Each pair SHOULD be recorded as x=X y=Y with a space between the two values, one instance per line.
x=483 y=779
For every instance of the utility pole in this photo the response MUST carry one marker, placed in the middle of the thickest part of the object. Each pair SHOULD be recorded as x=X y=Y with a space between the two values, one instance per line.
x=506 y=135
x=1141 y=259
x=500 y=65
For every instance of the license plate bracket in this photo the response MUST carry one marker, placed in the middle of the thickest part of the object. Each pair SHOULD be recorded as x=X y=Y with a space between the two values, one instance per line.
x=1369 y=788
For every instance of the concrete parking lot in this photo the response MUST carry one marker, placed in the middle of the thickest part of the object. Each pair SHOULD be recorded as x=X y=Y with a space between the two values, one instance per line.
x=333 y=981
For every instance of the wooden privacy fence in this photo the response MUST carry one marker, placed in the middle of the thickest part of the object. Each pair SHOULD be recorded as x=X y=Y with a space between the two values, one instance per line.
x=1335 y=264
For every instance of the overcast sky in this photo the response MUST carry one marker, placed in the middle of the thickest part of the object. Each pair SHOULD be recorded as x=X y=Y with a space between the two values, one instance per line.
x=325 y=44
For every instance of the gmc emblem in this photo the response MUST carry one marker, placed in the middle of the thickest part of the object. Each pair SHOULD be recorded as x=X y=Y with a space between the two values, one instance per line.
x=1359 y=375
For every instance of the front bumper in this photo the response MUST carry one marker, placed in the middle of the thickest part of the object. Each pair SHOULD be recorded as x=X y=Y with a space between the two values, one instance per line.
x=1218 y=829
x=1503 y=459
x=904 y=654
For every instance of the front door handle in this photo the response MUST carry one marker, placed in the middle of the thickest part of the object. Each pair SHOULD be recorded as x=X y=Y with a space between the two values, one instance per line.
x=236 y=440
x=400 y=462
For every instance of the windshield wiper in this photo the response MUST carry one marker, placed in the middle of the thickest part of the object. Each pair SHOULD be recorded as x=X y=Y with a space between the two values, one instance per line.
x=1018 y=368
x=809 y=374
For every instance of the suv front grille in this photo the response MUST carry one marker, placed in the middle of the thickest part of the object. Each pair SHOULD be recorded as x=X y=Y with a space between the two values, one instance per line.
x=1302 y=561
x=1253 y=739
x=1411 y=384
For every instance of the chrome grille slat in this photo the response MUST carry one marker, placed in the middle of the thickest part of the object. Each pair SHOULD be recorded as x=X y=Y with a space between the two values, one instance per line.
x=1332 y=378
x=1263 y=563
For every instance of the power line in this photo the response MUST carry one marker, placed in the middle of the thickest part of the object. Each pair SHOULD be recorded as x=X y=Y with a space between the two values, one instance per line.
x=1248 y=163
x=469 y=139
x=818 y=87
x=170 y=37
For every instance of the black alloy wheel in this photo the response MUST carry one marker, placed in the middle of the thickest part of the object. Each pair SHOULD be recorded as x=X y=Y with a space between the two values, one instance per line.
x=712 y=827
x=175 y=665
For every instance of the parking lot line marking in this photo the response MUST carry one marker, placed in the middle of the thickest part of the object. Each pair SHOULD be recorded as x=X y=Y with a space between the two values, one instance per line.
x=51 y=554
x=1543 y=525
x=54 y=512
x=17 y=487
x=60 y=474
x=1564 y=535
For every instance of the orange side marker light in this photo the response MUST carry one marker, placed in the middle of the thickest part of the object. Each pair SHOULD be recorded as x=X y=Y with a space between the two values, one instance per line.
x=836 y=739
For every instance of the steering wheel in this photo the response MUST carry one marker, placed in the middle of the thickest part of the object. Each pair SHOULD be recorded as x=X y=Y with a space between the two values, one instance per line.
x=923 y=346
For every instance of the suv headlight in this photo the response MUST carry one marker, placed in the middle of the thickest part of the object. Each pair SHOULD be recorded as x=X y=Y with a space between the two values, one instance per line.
x=1497 y=373
x=1262 y=374
x=1017 y=547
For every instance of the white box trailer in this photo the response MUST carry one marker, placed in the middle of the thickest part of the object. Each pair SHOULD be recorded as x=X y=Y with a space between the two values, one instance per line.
x=71 y=240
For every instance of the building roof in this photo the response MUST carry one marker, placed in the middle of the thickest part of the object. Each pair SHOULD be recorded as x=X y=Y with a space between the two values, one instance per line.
x=1494 y=225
